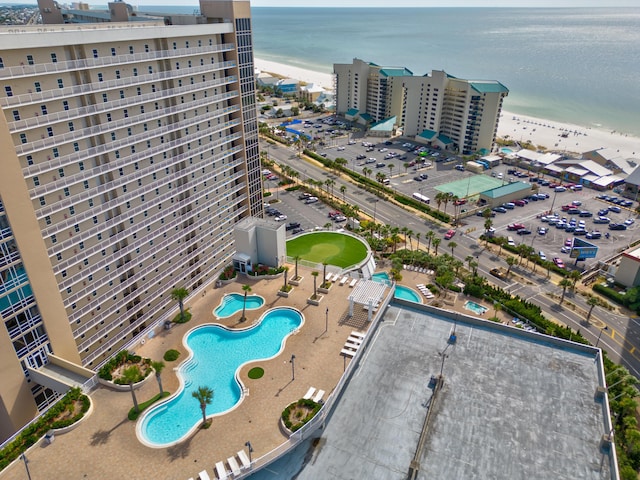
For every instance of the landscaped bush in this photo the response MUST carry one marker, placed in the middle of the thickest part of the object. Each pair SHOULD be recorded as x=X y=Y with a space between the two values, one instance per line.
x=266 y=270
x=37 y=429
x=182 y=318
x=296 y=409
x=610 y=293
x=228 y=273
x=106 y=372
x=171 y=355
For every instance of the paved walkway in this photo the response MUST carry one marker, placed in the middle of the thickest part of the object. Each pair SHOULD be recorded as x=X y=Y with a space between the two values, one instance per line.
x=105 y=444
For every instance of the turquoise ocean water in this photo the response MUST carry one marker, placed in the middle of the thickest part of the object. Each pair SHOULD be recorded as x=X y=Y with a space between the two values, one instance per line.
x=578 y=65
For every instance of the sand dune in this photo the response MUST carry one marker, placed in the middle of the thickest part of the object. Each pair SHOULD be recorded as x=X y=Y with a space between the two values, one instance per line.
x=540 y=132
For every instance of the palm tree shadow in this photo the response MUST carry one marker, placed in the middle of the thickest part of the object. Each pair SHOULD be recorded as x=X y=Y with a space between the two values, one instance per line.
x=101 y=437
x=182 y=450
x=283 y=388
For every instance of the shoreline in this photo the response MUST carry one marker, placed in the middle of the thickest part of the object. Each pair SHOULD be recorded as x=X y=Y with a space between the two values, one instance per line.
x=539 y=131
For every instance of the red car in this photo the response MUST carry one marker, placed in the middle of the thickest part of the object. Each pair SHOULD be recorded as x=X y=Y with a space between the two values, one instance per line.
x=520 y=203
x=558 y=262
x=461 y=201
x=449 y=234
x=515 y=226
x=568 y=242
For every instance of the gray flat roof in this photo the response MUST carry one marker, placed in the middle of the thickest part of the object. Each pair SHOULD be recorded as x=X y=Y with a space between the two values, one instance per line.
x=513 y=406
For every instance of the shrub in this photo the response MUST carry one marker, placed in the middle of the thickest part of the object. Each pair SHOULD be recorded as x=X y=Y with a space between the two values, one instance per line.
x=298 y=423
x=106 y=372
x=228 y=273
x=171 y=355
x=182 y=318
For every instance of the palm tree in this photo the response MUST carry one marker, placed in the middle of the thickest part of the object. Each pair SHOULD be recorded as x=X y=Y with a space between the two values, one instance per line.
x=158 y=367
x=446 y=198
x=439 y=198
x=296 y=259
x=390 y=166
x=418 y=235
x=496 y=307
x=380 y=177
x=204 y=396
x=179 y=294
x=488 y=223
x=131 y=375
x=286 y=271
x=436 y=242
x=452 y=246
x=430 y=235
x=574 y=276
x=592 y=302
x=473 y=265
x=315 y=276
x=367 y=171
x=511 y=262
x=409 y=235
x=324 y=271
x=343 y=190
x=564 y=283
x=246 y=289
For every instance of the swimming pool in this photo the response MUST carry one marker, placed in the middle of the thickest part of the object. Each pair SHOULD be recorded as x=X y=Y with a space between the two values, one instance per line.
x=406 y=293
x=217 y=354
x=233 y=302
x=381 y=277
x=506 y=151
x=474 y=307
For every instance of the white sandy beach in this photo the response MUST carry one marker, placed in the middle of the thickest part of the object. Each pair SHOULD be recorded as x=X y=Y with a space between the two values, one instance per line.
x=540 y=132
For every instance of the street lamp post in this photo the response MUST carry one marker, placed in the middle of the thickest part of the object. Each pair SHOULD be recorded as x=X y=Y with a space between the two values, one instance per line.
x=375 y=204
x=293 y=367
x=444 y=356
x=600 y=335
x=326 y=320
x=250 y=448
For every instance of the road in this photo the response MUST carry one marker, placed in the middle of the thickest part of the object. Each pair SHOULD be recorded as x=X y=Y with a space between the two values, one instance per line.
x=618 y=334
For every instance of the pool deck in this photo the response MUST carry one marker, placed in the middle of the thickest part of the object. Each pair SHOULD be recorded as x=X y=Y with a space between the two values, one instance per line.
x=105 y=444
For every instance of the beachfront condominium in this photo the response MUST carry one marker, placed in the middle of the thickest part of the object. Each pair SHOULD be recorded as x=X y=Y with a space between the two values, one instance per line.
x=130 y=151
x=453 y=113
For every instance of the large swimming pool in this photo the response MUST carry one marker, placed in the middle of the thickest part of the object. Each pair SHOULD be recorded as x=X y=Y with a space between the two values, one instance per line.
x=405 y=293
x=217 y=354
x=233 y=302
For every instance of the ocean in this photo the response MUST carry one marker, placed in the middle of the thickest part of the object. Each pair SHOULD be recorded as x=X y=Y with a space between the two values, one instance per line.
x=572 y=65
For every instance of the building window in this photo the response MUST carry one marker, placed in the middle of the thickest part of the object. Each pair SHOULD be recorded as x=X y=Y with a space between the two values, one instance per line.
x=43 y=109
x=53 y=238
x=1 y=63
x=61 y=172
x=113 y=52
x=60 y=83
x=16 y=115
x=76 y=147
x=50 y=131
x=65 y=105
x=72 y=210
x=117 y=74
x=23 y=139
x=122 y=94
x=8 y=91
x=71 y=128
x=30 y=59
x=29 y=157
x=54 y=58
x=66 y=192
x=42 y=201
x=135 y=72
x=36 y=181
x=95 y=53
x=100 y=77
x=56 y=153
x=105 y=98
x=131 y=49
x=146 y=47
x=81 y=165
x=85 y=183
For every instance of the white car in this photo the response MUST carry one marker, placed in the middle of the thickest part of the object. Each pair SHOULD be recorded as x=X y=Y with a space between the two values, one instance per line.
x=542 y=255
x=340 y=149
x=280 y=218
x=629 y=221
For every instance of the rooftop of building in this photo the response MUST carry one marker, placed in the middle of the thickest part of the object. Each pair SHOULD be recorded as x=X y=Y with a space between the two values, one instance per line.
x=513 y=406
x=385 y=125
x=506 y=189
x=396 y=72
x=488 y=86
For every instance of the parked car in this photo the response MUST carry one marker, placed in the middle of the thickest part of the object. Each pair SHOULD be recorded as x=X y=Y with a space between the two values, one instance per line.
x=449 y=234
x=594 y=235
x=617 y=226
x=629 y=221
x=560 y=189
x=601 y=220
x=499 y=209
x=559 y=262
x=311 y=200
x=520 y=203
x=542 y=255
x=509 y=205
x=292 y=225
x=542 y=231
x=585 y=213
x=524 y=231
x=515 y=226
x=615 y=209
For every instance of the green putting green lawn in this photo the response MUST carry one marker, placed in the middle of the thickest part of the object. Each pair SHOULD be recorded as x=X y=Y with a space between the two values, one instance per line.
x=331 y=247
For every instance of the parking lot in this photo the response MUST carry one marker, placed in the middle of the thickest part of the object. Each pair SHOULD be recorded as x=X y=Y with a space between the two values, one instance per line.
x=407 y=175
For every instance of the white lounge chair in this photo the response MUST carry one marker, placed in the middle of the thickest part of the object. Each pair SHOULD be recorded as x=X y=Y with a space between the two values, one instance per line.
x=335 y=278
x=309 y=393
x=233 y=465
x=353 y=282
x=242 y=455
x=344 y=280
x=357 y=340
x=347 y=353
x=354 y=333
x=203 y=475
x=318 y=396
x=351 y=345
x=328 y=277
x=221 y=471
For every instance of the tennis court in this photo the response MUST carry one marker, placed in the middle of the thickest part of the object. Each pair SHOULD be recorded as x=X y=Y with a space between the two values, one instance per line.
x=468 y=187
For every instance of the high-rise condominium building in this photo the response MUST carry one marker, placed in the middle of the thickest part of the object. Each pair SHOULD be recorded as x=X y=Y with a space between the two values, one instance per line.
x=129 y=152
x=461 y=115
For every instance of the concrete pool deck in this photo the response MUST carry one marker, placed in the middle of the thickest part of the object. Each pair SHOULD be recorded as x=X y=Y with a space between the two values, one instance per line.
x=105 y=444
